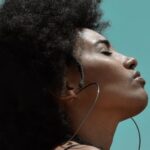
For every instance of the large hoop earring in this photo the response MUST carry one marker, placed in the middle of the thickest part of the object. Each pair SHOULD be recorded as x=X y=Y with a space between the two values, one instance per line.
x=90 y=109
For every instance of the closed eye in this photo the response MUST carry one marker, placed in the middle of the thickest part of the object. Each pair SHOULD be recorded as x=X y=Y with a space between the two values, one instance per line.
x=106 y=52
x=103 y=46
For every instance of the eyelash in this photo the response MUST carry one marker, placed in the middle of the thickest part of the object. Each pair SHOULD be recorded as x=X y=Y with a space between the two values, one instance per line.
x=107 y=53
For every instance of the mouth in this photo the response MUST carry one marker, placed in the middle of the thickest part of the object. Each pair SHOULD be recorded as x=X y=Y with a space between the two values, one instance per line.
x=137 y=77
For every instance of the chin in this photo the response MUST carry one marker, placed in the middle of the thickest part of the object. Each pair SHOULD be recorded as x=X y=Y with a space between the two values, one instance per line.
x=142 y=103
x=143 y=100
x=137 y=104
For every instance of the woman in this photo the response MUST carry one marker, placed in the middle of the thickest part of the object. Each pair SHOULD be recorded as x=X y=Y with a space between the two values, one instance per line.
x=63 y=85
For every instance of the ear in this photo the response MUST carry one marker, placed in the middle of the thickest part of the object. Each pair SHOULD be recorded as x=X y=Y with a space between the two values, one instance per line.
x=69 y=94
x=72 y=79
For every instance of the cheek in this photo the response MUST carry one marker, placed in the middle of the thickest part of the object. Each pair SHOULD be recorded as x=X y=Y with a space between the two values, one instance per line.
x=108 y=78
x=111 y=77
x=104 y=71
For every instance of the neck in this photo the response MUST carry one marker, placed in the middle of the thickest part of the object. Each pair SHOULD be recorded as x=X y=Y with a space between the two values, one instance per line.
x=100 y=132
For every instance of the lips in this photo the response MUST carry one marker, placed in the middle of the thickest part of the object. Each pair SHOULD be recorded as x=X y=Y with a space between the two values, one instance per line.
x=138 y=78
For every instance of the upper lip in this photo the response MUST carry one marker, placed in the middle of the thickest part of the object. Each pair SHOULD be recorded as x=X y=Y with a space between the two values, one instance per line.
x=136 y=74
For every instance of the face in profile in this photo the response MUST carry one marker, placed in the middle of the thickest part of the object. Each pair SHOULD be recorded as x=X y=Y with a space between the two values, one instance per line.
x=121 y=85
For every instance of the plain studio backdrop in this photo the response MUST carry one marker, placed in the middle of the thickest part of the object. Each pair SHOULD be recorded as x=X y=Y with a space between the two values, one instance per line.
x=130 y=34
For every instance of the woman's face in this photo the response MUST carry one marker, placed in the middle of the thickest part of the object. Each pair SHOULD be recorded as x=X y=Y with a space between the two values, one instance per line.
x=121 y=86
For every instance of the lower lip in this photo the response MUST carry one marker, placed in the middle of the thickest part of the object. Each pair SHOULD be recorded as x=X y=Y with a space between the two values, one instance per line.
x=140 y=80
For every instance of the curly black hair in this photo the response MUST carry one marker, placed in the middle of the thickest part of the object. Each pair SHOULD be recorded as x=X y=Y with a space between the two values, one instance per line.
x=37 y=39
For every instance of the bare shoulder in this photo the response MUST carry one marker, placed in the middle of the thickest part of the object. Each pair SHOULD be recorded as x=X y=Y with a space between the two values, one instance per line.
x=71 y=145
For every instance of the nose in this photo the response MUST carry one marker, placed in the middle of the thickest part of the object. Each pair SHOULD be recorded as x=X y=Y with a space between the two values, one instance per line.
x=130 y=63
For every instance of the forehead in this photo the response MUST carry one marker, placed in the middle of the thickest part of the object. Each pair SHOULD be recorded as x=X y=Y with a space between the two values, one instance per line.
x=90 y=36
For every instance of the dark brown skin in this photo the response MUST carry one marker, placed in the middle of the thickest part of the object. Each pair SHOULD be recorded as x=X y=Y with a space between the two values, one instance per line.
x=122 y=94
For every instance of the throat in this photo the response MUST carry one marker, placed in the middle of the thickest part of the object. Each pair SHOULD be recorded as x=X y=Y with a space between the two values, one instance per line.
x=100 y=136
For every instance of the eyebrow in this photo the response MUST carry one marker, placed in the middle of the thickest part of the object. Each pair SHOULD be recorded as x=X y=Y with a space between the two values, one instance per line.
x=106 y=42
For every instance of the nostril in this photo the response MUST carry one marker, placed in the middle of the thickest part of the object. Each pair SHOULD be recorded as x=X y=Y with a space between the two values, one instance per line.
x=132 y=66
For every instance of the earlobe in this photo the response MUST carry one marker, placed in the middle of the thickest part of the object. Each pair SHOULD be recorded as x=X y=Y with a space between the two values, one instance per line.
x=69 y=96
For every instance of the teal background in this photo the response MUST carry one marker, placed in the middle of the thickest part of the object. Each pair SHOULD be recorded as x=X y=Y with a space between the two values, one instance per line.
x=1 y=1
x=130 y=34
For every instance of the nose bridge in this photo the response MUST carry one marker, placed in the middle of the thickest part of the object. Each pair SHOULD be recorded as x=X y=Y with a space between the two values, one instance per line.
x=127 y=61
x=122 y=57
